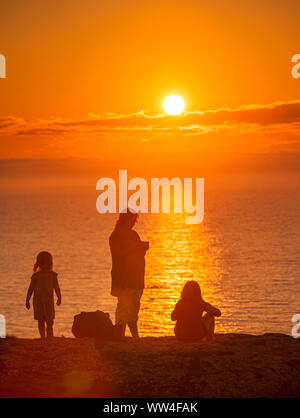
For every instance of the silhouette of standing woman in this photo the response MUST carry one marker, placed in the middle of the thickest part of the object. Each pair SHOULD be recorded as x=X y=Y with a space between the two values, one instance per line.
x=128 y=271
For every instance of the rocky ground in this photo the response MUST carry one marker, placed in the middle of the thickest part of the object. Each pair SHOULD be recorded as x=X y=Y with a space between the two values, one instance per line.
x=234 y=365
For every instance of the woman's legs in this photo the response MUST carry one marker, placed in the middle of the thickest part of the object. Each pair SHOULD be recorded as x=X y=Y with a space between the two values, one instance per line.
x=209 y=323
x=133 y=329
x=41 y=326
x=119 y=331
x=127 y=311
x=135 y=303
x=121 y=314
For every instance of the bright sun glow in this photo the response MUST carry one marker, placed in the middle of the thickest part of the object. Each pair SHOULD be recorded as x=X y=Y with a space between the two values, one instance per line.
x=173 y=105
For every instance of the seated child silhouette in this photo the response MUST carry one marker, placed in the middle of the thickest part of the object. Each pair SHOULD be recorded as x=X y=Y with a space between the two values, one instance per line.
x=191 y=325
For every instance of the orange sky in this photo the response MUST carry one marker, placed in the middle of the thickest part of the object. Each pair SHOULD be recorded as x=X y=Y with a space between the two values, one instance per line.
x=87 y=78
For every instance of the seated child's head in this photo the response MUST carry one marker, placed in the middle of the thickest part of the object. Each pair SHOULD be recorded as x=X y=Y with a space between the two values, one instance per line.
x=43 y=262
x=191 y=291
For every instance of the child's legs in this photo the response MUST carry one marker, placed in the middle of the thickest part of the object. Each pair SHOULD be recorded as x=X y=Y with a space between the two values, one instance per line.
x=41 y=326
x=49 y=328
x=209 y=323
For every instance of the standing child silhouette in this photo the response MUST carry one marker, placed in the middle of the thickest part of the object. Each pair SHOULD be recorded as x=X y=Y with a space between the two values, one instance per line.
x=43 y=283
x=188 y=313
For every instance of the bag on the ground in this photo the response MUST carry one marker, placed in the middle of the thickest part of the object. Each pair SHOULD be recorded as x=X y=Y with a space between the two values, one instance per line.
x=93 y=324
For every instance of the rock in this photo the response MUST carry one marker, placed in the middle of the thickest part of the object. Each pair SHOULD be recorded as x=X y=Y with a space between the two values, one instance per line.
x=234 y=365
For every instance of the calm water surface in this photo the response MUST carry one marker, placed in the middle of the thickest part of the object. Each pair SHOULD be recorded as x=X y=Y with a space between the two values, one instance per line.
x=245 y=255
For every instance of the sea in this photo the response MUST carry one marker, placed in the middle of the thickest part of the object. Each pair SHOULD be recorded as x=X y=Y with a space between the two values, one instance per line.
x=245 y=256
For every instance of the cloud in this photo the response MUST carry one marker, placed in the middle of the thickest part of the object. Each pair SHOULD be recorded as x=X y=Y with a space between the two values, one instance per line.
x=10 y=121
x=44 y=131
x=275 y=117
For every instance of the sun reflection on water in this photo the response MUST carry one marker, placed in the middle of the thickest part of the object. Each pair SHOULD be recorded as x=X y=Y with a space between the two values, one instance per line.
x=179 y=252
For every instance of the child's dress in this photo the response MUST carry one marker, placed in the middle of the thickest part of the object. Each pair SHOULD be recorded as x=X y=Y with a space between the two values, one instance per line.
x=44 y=283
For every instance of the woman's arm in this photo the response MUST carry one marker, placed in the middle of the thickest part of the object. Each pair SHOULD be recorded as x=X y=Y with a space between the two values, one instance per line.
x=132 y=245
x=212 y=310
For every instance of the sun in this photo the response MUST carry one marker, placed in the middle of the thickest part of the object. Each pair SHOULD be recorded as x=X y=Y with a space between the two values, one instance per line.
x=173 y=105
